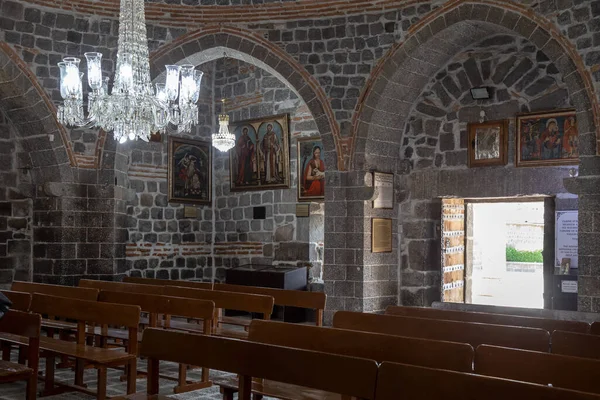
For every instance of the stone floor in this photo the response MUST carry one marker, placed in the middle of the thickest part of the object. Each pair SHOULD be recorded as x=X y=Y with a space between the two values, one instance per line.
x=16 y=391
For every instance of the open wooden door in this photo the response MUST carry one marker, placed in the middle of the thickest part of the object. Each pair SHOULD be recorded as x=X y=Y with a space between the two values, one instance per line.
x=453 y=250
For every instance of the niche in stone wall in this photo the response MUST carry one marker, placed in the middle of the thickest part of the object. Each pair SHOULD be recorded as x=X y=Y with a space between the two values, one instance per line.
x=433 y=157
x=163 y=243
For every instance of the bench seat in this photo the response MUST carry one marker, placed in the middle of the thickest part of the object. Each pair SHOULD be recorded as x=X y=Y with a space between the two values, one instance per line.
x=95 y=355
x=284 y=391
x=143 y=396
x=11 y=370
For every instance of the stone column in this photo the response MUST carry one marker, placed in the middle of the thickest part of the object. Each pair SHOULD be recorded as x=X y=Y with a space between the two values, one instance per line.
x=587 y=186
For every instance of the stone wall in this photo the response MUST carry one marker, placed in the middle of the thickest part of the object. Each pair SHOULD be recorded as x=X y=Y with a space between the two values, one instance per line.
x=164 y=244
x=434 y=148
x=16 y=213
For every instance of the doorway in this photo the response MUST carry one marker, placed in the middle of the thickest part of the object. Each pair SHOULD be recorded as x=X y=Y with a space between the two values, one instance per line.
x=505 y=244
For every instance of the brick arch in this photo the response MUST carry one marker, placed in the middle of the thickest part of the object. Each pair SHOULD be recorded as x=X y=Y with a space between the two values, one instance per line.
x=33 y=115
x=202 y=45
x=401 y=75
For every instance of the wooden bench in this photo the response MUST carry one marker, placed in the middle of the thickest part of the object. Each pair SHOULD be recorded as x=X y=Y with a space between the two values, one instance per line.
x=155 y=305
x=169 y=282
x=549 y=325
x=85 y=311
x=311 y=372
x=544 y=368
x=25 y=326
x=595 y=328
x=285 y=298
x=56 y=290
x=378 y=347
x=453 y=331
x=576 y=344
x=20 y=300
x=121 y=287
x=251 y=303
x=399 y=381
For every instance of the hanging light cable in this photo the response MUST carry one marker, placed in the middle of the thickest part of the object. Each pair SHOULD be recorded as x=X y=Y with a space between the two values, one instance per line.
x=223 y=140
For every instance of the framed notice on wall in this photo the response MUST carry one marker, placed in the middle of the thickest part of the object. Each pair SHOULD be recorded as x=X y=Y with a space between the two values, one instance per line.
x=566 y=247
x=384 y=190
x=381 y=235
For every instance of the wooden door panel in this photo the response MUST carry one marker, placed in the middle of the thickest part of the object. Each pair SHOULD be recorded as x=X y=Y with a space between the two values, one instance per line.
x=453 y=250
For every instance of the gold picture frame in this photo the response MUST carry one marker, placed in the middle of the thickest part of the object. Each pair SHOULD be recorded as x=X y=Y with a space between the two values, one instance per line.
x=260 y=159
x=488 y=143
x=381 y=235
x=189 y=171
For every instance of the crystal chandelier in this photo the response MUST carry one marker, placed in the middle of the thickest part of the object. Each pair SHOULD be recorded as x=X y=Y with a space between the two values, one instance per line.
x=133 y=109
x=223 y=140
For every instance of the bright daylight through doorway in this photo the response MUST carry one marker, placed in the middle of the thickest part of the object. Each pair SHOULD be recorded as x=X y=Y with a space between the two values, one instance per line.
x=506 y=253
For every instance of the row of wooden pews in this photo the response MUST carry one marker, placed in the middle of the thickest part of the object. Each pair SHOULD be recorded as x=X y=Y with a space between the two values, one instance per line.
x=477 y=354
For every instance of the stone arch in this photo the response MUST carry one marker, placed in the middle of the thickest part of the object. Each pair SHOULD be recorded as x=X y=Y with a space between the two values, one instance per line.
x=209 y=43
x=400 y=76
x=33 y=114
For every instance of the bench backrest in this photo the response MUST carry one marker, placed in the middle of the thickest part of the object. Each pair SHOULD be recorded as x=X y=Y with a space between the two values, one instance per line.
x=21 y=323
x=169 y=282
x=544 y=368
x=21 y=301
x=576 y=344
x=549 y=325
x=190 y=308
x=374 y=346
x=226 y=300
x=281 y=297
x=56 y=290
x=121 y=287
x=87 y=311
x=149 y=303
x=595 y=328
x=453 y=331
x=329 y=372
x=398 y=381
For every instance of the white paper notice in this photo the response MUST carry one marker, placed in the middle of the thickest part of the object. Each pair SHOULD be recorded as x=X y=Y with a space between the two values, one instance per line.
x=568 y=286
x=566 y=237
x=384 y=184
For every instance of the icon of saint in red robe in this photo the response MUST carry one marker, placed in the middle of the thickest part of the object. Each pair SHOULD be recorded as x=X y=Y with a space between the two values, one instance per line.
x=314 y=175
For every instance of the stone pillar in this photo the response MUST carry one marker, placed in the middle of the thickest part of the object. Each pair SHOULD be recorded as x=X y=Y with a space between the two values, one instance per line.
x=587 y=186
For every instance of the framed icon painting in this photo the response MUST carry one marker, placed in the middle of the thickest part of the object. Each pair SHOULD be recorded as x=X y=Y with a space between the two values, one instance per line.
x=549 y=138
x=488 y=143
x=189 y=171
x=311 y=170
x=260 y=159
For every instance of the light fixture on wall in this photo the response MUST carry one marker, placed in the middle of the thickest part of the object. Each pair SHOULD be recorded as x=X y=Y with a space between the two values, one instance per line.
x=223 y=140
x=480 y=93
x=133 y=109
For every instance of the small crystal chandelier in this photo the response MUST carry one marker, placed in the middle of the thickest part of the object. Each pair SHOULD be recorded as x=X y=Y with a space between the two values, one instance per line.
x=224 y=140
x=133 y=109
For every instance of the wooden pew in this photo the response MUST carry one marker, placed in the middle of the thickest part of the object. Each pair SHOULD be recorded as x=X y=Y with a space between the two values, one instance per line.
x=576 y=344
x=544 y=368
x=307 y=369
x=121 y=287
x=26 y=326
x=595 y=328
x=56 y=290
x=549 y=325
x=155 y=305
x=453 y=331
x=400 y=381
x=285 y=298
x=252 y=303
x=169 y=282
x=92 y=312
x=20 y=300
x=378 y=347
